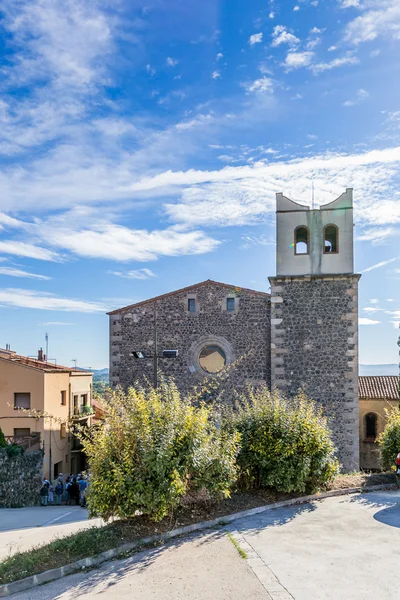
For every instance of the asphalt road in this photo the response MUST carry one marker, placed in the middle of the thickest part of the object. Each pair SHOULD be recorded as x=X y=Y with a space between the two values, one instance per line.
x=335 y=549
x=23 y=528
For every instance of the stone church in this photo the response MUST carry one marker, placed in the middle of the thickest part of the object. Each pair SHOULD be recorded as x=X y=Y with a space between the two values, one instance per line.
x=304 y=333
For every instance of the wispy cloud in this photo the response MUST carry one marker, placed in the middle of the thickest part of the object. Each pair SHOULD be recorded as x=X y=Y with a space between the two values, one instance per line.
x=378 y=18
x=334 y=64
x=365 y=321
x=53 y=323
x=22 y=298
x=20 y=273
x=172 y=62
x=262 y=85
x=17 y=248
x=379 y=265
x=134 y=274
x=256 y=38
x=377 y=235
x=361 y=96
x=216 y=75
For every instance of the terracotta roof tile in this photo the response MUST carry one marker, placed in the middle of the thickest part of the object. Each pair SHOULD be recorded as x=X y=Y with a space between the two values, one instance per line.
x=384 y=387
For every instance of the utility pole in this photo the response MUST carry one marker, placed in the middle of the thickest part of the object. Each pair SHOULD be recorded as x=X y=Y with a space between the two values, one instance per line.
x=155 y=356
x=74 y=361
x=46 y=337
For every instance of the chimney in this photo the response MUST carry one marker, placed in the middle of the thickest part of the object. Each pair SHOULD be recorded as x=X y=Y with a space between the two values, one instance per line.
x=40 y=354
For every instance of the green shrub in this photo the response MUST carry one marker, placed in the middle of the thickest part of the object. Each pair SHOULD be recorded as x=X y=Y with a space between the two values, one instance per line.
x=152 y=448
x=3 y=442
x=389 y=439
x=285 y=444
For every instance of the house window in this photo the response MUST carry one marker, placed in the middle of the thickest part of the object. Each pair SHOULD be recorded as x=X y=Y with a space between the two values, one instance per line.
x=230 y=304
x=22 y=400
x=76 y=407
x=212 y=359
x=63 y=397
x=84 y=399
x=191 y=305
x=331 y=239
x=21 y=432
x=301 y=240
x=371 y=422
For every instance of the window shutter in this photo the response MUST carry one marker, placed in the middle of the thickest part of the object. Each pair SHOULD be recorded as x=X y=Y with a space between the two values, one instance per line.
x=22 y=400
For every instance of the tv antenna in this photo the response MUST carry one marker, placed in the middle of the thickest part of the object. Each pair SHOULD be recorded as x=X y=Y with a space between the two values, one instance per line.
x=46 y=337
x=74 y=361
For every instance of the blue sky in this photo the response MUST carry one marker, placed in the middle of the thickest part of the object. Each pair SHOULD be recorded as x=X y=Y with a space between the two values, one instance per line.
x=142 y=143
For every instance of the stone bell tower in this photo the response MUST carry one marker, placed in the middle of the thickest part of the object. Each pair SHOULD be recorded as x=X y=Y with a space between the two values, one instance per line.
x=314 y=314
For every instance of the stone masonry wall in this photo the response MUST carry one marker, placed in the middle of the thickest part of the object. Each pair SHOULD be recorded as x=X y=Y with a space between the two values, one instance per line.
x=20 y=478
x=247 y=329
x=314 y=344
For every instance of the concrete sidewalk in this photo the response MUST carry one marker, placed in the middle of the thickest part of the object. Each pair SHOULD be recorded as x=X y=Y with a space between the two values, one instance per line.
x=23 y=528
x=202 y=567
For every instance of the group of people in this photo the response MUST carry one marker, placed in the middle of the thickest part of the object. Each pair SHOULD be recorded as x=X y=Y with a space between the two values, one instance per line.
x=73 y=492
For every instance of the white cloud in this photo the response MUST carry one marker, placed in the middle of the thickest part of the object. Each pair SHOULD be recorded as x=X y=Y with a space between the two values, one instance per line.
x=348 y=3
x=377 y=235
x=378 y=18
x=225 y=158
x=216 y=75
x=256 y=38
x=365 y=321
x=372 y=309
x=172 y=62
x=219 y=56
x=333 y=64
x=116 y=242
x=271 y=15
x=17 y=248
x=11 y=272
x=40 y=300
x=374 y=301
x=390 y=300
x=280 y=36
x=378 y=266
x=296 y=8
x=297 y=60
x=332 y=48
x=262 y=85
x=135 y=274
x=360 y=97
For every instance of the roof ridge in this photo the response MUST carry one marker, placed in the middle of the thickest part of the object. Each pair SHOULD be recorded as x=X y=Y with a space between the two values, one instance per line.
x=184 y=289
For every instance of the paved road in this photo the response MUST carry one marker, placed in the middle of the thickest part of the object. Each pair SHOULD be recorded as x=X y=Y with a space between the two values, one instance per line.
x=23 y=528
x=335 y=549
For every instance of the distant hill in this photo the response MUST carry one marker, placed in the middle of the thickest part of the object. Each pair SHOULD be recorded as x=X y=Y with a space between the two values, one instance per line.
x=379 y=369
x=101 y=375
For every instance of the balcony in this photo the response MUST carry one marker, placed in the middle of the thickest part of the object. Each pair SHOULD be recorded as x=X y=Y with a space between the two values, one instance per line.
x=29 y=443
x=83 y=410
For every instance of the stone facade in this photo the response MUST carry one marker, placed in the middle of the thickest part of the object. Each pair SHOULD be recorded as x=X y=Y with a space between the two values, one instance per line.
x=20 y=478
x=243 y=331
x=314 y=344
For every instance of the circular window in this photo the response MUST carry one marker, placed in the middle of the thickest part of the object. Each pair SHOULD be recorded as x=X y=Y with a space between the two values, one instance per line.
x=212 y=359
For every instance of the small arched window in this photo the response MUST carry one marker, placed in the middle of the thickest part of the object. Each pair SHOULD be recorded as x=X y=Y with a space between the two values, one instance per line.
x=301 y=240
x=331 y=239
x=371 y=422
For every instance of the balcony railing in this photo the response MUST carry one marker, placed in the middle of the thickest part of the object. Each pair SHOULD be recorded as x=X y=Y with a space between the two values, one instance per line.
x=83 y=410
x=28 y=442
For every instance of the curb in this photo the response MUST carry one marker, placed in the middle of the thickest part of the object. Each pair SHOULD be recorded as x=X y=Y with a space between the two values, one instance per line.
x=47 y=576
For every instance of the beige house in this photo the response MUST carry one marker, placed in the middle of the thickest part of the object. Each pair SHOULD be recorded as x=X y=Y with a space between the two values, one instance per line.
x=376 y=393
x=38 y=385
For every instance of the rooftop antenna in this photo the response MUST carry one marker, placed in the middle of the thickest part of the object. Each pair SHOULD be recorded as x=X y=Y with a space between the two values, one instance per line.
x=46 y=337
x=74 y=361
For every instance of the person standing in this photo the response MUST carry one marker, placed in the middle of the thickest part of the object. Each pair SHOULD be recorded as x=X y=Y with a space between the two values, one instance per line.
x=398 y=464
x=59 y=492
x=44 y=493
x=82 y=491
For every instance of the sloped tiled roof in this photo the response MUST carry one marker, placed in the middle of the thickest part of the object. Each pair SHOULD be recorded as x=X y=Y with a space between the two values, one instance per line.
x=186 y=289
x=39 y=365
x=385 y=387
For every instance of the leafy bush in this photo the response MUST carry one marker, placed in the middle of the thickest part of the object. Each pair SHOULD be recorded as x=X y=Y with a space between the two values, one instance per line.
x=3 y=442
x=285 y=444
x=389 y=439
x=152 y=448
